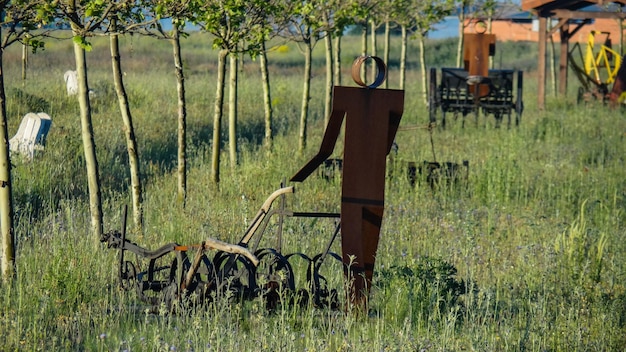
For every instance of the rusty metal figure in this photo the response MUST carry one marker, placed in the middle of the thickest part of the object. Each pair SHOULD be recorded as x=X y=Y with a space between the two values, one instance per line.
x=372 y=119
x=477 y=48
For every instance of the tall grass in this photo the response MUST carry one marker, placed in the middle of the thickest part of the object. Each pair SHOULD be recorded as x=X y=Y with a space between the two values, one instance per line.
x=526 y=255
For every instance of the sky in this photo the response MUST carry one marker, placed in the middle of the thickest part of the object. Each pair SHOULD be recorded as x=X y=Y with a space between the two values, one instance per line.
x=447 y=28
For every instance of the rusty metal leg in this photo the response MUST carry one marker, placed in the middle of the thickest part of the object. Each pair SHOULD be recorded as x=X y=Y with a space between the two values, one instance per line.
x=359 y=252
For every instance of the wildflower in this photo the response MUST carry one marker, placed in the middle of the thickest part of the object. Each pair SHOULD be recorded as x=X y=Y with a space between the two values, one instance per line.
x=103 y=336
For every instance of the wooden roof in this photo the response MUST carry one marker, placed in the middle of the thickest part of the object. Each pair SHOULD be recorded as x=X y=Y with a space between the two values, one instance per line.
x=574 y=8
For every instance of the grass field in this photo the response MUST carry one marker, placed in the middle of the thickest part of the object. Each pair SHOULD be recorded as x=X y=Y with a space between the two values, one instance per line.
x=528 y=255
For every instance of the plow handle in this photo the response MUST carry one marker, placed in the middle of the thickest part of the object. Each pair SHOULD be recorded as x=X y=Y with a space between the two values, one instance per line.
x=258 y=219
x=212 y=243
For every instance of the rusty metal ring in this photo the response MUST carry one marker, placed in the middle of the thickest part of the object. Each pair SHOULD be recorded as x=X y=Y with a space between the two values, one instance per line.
x=480 y=27
x=356 y=71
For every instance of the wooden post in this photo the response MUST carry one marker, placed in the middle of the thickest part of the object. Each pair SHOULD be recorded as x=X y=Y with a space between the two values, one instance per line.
x=541 y=70
x=565 y=35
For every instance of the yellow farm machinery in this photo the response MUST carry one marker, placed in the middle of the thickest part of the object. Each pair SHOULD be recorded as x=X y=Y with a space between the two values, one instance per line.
x=597 y=67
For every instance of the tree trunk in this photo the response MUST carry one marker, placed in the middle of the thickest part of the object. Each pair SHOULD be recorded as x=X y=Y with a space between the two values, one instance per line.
x=423 y=69
x=267 y=98
x=337 y=60
x=129 y=133
x=459 y=50
x=89 y=146
x=182 y=119
x=305 y=96
x=489 y=28
x=386 y=52
x=232 y=111
x=6 y=195
x=24 y=61
x=403 y=51
x=217 y=117
x=621 y=37
x=552 y=56
x=328 y=101
x=373 y=49
x=364 y=48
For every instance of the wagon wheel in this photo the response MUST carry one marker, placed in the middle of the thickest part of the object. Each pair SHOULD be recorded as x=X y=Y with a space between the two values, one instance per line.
x=432 y=97
x=235 y=275
x=274 y=275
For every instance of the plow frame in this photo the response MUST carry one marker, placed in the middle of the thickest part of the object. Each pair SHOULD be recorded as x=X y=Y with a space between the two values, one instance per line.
x=233 y=271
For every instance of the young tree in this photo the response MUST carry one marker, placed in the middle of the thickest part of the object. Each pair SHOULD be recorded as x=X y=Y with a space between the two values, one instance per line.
x=83 y=23
x=86 y=19
x=336 y=16
x=417 y=18
x=267 y=98
x=129 y=130
x=311 y=21
x=139 y=18
x=385 y=13
x=238 y=26
x=20 y=18
x=355 y=12
x=179 y=13
x=463 y=7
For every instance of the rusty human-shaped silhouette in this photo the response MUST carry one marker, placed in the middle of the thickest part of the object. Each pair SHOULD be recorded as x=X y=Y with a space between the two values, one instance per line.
x=372 y=119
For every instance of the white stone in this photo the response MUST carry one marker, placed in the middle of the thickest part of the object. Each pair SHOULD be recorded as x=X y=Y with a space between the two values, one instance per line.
x=31 y=135
x=71 y=82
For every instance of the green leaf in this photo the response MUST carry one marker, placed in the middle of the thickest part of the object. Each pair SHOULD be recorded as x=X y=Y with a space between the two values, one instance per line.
x=82 y=42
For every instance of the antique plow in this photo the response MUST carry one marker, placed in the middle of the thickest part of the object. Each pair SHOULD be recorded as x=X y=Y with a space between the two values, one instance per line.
x=174 y=273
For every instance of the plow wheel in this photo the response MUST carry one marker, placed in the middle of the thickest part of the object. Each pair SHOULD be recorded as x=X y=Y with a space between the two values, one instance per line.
x=324 y=293
x=301 y=263
x=205 y=281
x=274 y=276
x=128 y=276
x=235 y=276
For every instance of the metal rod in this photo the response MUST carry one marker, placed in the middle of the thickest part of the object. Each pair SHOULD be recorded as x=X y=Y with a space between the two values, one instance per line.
x=122 y=273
